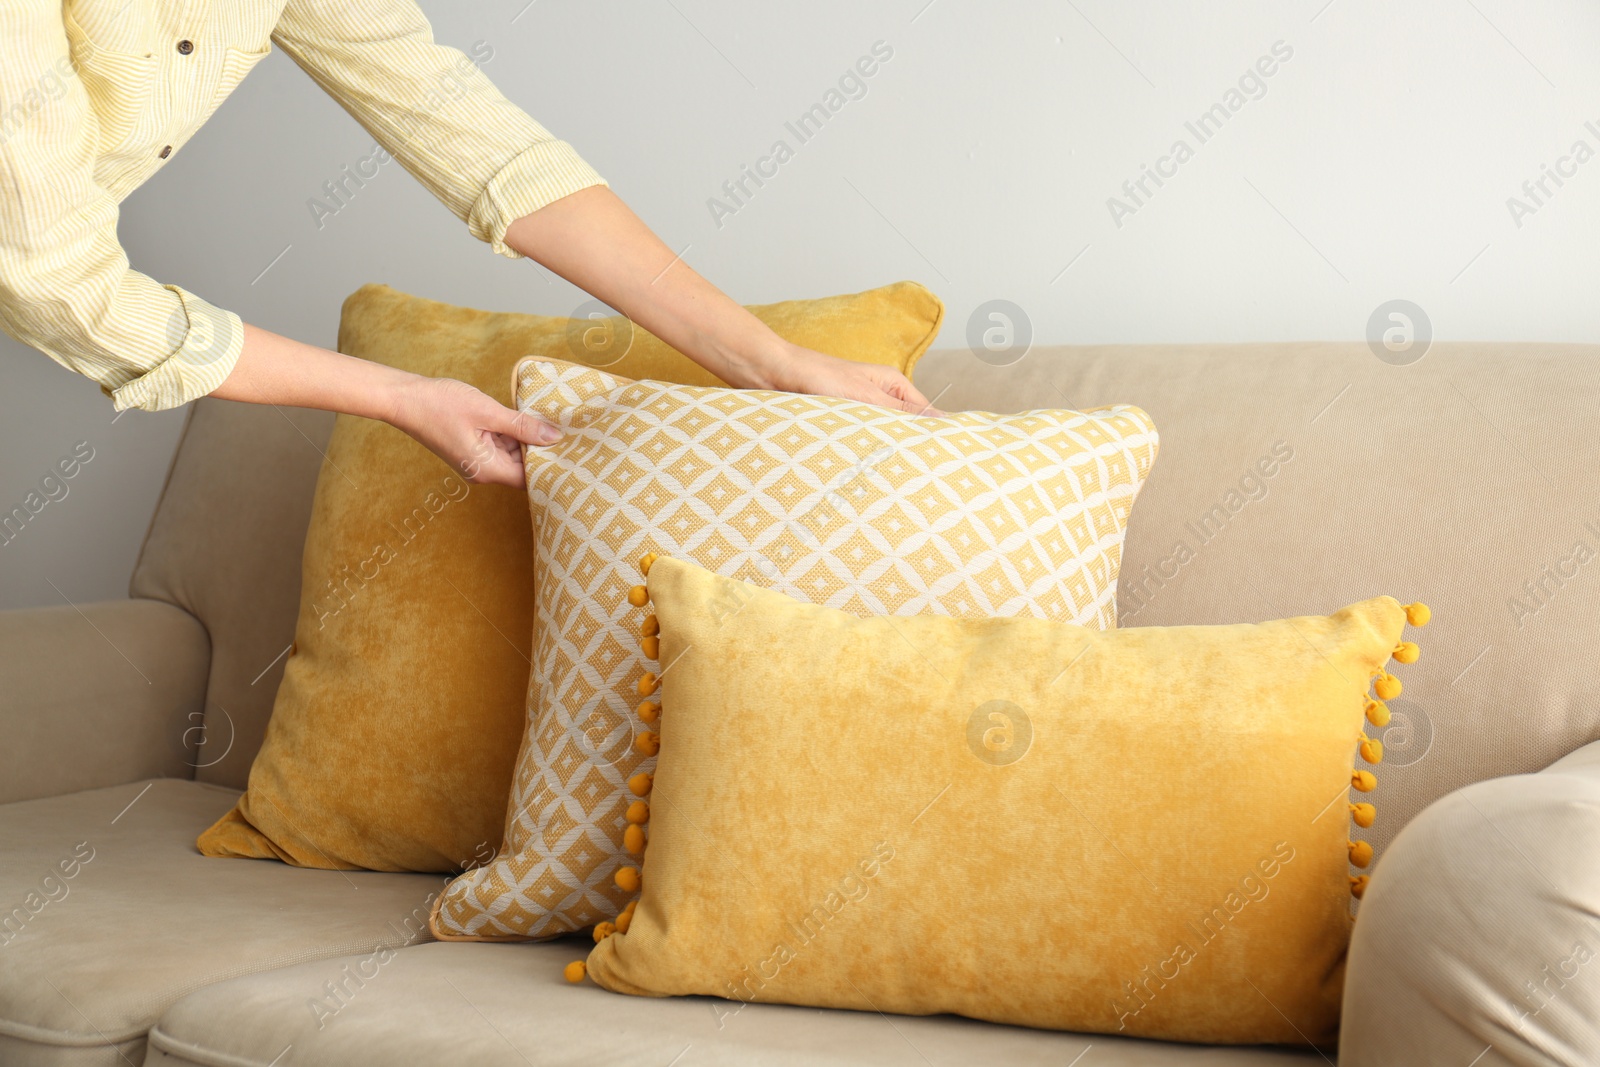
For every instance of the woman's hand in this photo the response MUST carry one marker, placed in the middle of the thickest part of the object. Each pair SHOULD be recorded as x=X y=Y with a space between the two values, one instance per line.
x=474 y=434
x=802 y=370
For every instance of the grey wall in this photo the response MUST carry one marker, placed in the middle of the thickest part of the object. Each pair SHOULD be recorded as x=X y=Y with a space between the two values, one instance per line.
x=1376 y=164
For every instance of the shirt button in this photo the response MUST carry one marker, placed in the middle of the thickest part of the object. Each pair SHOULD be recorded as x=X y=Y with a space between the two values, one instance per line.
x=185 y=47
x=167 y=151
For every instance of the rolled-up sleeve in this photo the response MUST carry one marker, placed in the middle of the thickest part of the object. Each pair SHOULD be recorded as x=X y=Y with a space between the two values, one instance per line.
x=65 y=285
x=432 y=108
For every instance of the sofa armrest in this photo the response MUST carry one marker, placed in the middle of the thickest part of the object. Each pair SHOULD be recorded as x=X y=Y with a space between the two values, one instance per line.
x=1475 y=941
x=1583 y=761
x=98 y=695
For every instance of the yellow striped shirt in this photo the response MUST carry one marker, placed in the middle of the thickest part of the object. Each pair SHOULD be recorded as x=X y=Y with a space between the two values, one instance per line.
x=96 y=95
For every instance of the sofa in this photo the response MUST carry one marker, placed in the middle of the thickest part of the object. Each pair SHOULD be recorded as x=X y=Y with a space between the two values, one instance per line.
x=1293 y=479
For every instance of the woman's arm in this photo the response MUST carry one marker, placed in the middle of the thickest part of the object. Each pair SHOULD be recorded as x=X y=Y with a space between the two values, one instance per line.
x=593 y=240
x=476 y=435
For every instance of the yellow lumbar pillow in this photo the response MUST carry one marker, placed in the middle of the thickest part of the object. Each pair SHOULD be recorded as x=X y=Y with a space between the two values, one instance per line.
x=1142 y=831
x=395 y=731
x=866 y=509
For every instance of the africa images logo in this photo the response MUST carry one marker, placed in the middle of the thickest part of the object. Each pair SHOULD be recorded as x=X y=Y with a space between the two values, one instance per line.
x=851 y=85
x=1251 y=85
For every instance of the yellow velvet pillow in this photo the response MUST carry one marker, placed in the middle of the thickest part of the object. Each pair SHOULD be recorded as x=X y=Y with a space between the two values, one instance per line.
x=396 y=727
x=1142 y=831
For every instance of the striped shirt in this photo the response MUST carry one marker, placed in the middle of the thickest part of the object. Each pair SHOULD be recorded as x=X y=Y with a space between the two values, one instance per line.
x=96 y=96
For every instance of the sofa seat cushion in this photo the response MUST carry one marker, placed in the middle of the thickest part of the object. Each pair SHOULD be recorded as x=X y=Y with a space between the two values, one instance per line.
x=506 y=1004
x=110 y=916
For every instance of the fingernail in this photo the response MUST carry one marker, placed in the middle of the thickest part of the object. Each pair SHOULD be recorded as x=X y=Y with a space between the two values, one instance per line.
x=548 y=434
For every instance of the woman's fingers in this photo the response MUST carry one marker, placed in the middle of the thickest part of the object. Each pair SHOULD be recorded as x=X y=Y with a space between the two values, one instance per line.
x=498 y=461
x=809 y=371
x=473 y=433
x=522 y=426
x=905 y=396
x=498 y=434
x=915 y=402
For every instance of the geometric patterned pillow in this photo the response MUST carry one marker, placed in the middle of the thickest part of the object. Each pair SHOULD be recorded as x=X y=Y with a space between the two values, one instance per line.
x=851 y=506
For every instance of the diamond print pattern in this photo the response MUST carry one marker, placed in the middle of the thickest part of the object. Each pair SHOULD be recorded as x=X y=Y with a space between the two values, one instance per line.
x=860 y=508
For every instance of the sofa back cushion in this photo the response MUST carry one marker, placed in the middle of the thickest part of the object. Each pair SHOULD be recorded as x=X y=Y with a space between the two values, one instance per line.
x=224 y=545
x=1295 y=478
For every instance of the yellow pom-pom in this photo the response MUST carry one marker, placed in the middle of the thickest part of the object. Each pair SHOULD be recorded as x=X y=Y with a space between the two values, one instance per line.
x=649 y=711
x=1371 y=750
x=575 y=971
x=624 y=921
x=603 y=931
x=645 y=561
x=1406 y=652
x=633 y=839
x=650 y=627
x=648 y=683
x=638 y=812
x=647 y=743
x=1363 y=814
x=1360 y=853
x=651 y=647
x=1418 y=614
x=1358 y=885
x=1363 y=781
x=1377 y=714
x=638 y=596
x=634 y=903
x=1387 y=687
x=641 y=783
x=627 y=879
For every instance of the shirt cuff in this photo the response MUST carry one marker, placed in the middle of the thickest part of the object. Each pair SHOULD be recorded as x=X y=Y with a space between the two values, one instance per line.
x=538 y=176
x=207 y=341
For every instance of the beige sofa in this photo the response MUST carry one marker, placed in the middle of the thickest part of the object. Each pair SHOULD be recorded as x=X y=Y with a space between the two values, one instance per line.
x=1465 y=480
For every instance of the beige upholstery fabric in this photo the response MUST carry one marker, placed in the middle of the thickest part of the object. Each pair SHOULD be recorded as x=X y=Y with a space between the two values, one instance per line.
x=225 y=546
x=15 y=1053
x=98 y=694
x=1464 y=480
x=1477 y=941
x=492 y=1005
x=95 y=957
